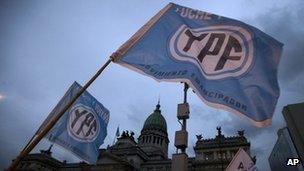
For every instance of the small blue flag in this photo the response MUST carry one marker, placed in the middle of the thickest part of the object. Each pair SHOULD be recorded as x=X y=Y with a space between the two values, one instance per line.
x=117 y=132
x=83 y=128
x=229 y=64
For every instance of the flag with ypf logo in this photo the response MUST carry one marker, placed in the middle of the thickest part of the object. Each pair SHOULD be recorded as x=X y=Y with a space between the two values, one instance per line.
x=229 y=64
x=83 y=128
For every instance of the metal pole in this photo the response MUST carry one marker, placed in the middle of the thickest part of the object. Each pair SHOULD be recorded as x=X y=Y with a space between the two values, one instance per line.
x=180 y=159
x=184 y=126
x=36 y=139
x=186 y=87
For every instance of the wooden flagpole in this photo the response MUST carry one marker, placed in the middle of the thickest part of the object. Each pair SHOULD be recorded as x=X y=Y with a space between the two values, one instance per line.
x=36 y=138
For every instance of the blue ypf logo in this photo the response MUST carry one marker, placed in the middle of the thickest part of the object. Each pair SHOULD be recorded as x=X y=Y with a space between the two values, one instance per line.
x=83 y=123
x=219 y=51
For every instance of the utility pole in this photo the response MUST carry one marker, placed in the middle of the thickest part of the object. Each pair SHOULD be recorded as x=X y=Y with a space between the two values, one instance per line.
x=180 y=158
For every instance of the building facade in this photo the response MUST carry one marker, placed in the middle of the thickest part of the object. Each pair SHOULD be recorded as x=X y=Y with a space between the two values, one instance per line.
x=290 y=143
x=149 y=152
x=283 y=150
x=216 y=153
x=294 y=117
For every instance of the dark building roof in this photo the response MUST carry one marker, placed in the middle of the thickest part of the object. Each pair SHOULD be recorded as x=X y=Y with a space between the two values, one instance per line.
x=221 y=141
x=156 y=120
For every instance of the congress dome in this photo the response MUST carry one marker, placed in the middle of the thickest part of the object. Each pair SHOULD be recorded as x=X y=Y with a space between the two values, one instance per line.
x=156 y=120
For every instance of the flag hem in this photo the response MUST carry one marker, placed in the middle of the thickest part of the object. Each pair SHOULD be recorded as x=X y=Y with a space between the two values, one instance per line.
x=67 y=150
x=139 y=33
x=260 y=124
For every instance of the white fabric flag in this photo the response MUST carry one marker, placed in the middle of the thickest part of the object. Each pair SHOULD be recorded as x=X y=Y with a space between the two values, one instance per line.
x=241 y=162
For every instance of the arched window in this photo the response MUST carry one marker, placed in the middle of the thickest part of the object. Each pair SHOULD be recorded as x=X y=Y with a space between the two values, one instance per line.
x=157 y=140
x=154 y=138
x=161 y=141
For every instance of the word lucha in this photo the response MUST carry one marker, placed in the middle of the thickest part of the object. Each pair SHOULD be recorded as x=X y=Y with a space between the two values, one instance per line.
x=195 y=14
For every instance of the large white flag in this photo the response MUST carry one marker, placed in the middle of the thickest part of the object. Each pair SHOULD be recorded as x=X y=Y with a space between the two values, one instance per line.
x=241 y=162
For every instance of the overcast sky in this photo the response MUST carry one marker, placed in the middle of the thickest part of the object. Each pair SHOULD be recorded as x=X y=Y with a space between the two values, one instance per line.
x=47 y=45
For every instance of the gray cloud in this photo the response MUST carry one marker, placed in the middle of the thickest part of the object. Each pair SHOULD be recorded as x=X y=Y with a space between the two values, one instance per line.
x=136 y=115
x=232 y=125
x=286 y=26
x=199 y=112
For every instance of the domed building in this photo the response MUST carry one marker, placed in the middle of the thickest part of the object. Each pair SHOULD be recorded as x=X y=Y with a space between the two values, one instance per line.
x=148 y=152
x=154 y=137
